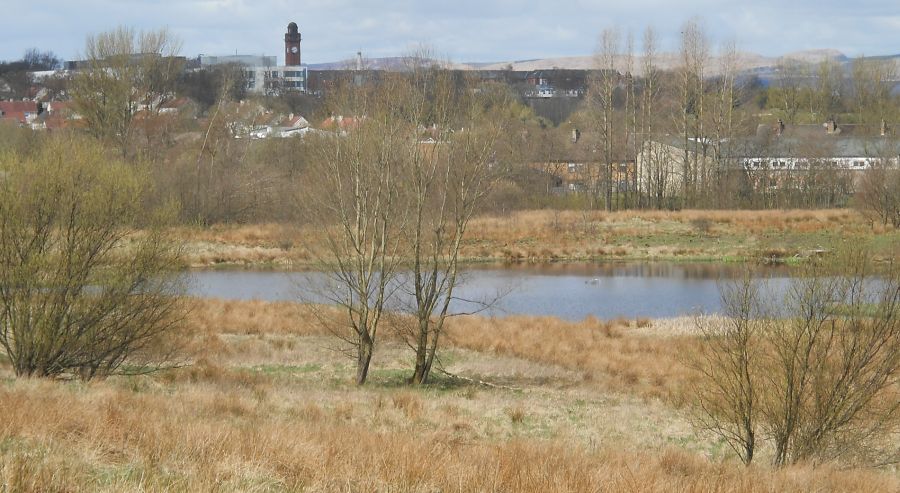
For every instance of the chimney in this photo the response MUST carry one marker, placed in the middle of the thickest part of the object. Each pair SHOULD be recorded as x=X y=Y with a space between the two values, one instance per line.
x=883 y=128
x=575 y=135
x=779 y=128
x=359 y=60
x=830 y=127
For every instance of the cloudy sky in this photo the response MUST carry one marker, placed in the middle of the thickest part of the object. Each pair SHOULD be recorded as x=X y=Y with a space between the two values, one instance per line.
x=461 y=30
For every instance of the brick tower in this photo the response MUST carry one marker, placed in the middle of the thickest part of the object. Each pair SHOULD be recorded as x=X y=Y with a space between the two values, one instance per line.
x=292 y=46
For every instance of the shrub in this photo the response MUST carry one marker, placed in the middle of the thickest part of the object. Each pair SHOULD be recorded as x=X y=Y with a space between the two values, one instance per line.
x=81 y=292
x=813 y=374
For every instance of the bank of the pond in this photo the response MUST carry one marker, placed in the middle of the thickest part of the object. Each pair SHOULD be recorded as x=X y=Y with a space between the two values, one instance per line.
x=573 y=236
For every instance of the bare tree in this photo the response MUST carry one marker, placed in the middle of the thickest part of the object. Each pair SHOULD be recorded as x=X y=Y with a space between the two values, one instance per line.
x=126 y=72
x=694 y=56
x=723 y=124
x=650 y=170
x=451 y=169
x=353 y=196
x=878 y=189
x=603 y=91
x=728 y=390
x=788 y=93
x=630 y=127
x=826 y=95
x=218 y=183
x=873 y=81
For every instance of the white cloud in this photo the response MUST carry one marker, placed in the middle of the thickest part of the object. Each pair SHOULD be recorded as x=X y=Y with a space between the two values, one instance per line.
x=465 y=30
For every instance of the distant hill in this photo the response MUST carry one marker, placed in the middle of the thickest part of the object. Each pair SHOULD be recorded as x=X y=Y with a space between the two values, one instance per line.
x=386 y=63
x=746 y=61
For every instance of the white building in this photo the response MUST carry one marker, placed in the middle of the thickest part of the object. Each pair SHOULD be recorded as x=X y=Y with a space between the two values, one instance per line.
x=263 y=74
x=273 y=80
x=207 y=61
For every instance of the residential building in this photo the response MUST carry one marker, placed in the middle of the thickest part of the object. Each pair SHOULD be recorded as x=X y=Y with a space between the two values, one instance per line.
x=777 y=155
x=575 y=165
x=19 y=112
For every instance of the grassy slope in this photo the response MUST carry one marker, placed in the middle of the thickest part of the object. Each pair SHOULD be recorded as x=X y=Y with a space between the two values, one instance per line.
x=566 y=235
x=268 y=406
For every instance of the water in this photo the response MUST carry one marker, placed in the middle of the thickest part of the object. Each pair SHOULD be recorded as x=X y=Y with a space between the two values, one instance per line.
x=568 y=291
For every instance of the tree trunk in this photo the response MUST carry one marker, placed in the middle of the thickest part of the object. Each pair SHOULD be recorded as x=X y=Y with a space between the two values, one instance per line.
x=364 y=357
x=420 y=374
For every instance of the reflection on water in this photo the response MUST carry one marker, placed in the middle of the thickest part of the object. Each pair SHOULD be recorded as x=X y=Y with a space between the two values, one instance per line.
x=569 y=291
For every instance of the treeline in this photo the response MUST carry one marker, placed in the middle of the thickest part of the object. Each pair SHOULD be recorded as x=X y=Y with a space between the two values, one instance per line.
x=654 y=130
x=15 y=78
x=664 y=133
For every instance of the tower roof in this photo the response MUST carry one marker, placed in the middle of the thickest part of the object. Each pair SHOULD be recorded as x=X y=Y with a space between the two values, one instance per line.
x=292 y=27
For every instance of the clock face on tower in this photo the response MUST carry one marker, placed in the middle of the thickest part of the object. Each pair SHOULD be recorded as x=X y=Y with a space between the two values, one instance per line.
x=293 y=49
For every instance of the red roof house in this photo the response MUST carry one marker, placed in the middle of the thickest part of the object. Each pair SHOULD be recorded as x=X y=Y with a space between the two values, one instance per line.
x=23 y=112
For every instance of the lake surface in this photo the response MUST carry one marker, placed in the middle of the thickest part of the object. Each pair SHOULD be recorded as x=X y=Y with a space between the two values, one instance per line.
x=568 y=291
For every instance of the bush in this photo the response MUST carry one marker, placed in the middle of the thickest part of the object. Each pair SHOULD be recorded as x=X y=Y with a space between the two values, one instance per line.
x=81 y=293
x=813 y=374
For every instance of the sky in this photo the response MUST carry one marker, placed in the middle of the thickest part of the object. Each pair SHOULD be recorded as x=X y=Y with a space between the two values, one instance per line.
x=460 y=30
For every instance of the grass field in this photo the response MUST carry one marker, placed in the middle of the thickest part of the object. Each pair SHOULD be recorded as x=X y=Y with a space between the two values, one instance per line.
x=719 y=236
x=269 y=405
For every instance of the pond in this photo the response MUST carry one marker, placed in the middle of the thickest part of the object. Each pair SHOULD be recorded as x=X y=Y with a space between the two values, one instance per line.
x=568 y=291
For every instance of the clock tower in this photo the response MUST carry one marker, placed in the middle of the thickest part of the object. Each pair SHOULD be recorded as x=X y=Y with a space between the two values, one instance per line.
x=292 y=46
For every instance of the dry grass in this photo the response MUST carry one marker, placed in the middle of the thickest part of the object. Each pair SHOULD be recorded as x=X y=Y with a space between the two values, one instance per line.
x=572 y=235
x=104 y=438
x=635 y=357
x=270 y=407
x=548 y=222
x=539 y=235
x=267 y=234
x=212 y=316
x=614 y=355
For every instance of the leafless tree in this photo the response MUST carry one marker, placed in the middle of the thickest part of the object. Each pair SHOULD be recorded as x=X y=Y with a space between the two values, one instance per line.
x=878 y=189
x=126 y=72
x=450 y=170
x=630 y=136
x=825 y=99
x=723 y=124
x=353 y=196
x=694 y=56
x=603 y=98
x=792 y=77
x=647 y=168
x=728 y=391
x=873 y=81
